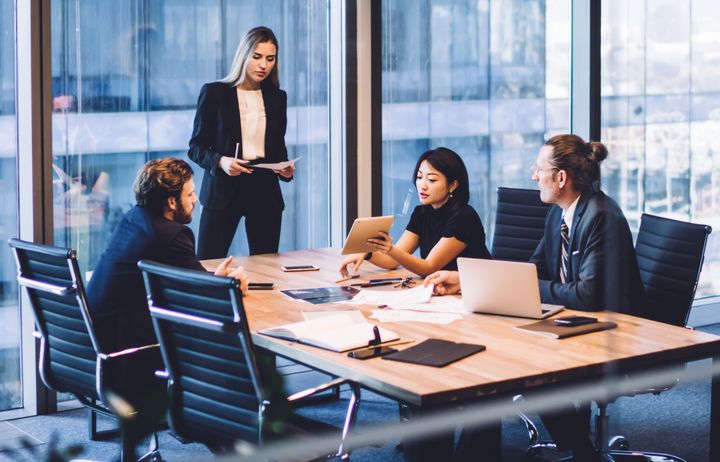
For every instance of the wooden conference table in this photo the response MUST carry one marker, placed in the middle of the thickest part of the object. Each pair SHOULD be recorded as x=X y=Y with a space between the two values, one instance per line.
x=515 y=361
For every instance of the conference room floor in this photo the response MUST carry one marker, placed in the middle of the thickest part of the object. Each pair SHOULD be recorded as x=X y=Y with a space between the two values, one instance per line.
x=676 y=421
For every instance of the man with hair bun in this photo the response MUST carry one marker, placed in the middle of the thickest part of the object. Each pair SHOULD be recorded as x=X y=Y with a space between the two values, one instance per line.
x=600 y=270
x=585 y=260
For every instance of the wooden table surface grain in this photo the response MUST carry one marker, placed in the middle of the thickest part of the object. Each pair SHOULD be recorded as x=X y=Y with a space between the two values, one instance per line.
x=514 y=361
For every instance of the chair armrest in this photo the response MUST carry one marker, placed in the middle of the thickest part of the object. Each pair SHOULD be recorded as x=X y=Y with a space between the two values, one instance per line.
x=128 y=351
x=325 y=386
x=129 y=375
x=46 y=287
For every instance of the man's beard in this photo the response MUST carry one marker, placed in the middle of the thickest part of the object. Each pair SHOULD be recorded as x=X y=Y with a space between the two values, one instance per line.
x=182 y=215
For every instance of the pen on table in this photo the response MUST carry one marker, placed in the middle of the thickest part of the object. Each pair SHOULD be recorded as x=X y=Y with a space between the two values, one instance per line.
x=398 y=342
x=373 y=284
x=352 y=276
x=237 y=148
x=391 y=343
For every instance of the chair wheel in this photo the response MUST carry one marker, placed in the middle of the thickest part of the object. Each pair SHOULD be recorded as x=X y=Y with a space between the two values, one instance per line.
x=619 y=442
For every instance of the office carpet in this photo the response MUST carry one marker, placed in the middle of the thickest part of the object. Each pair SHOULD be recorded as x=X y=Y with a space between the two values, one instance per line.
x=676 y=421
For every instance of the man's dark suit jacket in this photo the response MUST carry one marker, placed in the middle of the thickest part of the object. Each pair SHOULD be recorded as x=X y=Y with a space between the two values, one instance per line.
x=116 y=293
x=216 y=131
x=603 y=273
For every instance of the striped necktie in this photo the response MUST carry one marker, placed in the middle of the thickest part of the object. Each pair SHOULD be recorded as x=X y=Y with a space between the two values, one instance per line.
x=564 y=251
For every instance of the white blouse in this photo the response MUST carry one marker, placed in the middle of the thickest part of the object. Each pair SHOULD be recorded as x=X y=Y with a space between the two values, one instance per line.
x=252 y=123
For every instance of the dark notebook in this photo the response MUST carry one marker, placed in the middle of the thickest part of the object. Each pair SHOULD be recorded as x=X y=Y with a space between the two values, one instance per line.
x=548 y=328
x=435 y=352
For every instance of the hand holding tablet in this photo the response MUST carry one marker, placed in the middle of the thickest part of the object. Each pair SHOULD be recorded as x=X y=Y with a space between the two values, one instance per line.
x=364 y=229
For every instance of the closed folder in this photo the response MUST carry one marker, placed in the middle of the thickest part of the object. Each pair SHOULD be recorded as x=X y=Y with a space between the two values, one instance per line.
x=435 y=352
x=548 y=328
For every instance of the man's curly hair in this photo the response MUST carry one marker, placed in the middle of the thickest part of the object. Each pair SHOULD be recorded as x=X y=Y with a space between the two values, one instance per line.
x=159 y=180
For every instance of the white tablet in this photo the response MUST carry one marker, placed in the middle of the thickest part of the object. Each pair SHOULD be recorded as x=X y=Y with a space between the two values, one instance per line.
x=362 y=230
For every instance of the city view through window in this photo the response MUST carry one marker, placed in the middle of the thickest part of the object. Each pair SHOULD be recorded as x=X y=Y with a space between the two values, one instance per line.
x=487 y=79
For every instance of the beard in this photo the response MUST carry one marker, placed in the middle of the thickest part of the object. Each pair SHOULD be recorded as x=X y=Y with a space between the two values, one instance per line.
x=182 y=215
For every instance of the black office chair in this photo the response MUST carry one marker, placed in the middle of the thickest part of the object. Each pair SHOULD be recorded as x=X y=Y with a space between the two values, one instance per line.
x=214 y=378
x=71 y=360
x=519 y=223
x=670 y=255
x=519 y=228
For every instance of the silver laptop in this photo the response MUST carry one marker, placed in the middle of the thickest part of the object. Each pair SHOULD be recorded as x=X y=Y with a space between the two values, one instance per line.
x=502 y=287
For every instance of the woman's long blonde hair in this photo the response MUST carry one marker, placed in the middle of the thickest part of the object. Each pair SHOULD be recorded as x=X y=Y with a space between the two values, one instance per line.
x=246 y=48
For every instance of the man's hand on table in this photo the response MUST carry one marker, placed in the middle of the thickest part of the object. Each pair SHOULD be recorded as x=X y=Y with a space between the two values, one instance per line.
x=237 y=273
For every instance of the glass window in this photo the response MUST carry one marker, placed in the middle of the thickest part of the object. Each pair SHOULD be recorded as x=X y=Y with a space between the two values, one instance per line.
x=126 y=76
x=10 y=378
x=660 y=114
x=489 y=80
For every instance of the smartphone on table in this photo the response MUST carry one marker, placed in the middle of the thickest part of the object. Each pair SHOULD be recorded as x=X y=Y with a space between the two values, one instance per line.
x=372 y=352
x=299 y=268
x=571 y=321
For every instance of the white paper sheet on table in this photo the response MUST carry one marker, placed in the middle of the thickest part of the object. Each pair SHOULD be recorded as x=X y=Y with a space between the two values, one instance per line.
x=443 y=304
x=277 y=165
x=415 y=295
x=385 y=315
x=356 y=315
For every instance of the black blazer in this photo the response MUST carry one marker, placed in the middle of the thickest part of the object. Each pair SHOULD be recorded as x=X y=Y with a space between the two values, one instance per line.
x=603 y=273
x=116 y=293
x=216 y=130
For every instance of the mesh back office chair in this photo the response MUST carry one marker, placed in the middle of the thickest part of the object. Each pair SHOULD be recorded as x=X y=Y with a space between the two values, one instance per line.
x=217 y=392
x=670 y=255
x=519 y=223
x=71 y=360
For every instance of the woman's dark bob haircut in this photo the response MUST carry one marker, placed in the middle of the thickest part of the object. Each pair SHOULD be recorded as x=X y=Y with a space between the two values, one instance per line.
x=447 y=162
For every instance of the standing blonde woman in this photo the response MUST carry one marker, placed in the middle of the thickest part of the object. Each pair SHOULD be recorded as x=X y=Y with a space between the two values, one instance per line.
x=241 y=120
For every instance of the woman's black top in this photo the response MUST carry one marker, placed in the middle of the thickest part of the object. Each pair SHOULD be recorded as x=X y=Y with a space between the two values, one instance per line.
x=451 y=220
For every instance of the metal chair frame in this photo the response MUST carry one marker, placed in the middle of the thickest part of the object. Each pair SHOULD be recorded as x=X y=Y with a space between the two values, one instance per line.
x=232 y=321
x=103 y=360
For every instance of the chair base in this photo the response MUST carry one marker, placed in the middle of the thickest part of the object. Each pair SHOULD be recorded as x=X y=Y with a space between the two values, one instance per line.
x=537 y=450
x=614 y=449
x=625 y=456
x=153 y=454
x=640 y=456
x=93 y=410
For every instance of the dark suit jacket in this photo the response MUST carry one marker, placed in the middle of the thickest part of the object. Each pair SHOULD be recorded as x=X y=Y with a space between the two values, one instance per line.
x=215 y=132
x=603 y=271
x=116 y=293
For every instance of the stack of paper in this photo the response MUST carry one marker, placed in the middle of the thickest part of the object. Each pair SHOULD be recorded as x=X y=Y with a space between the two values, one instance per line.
x=417 y=299
x=393 y=297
